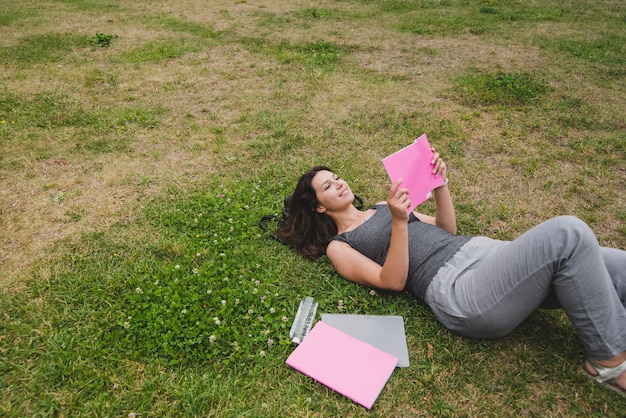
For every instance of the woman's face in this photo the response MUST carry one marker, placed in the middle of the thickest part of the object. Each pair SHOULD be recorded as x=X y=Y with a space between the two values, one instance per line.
x=332 y=192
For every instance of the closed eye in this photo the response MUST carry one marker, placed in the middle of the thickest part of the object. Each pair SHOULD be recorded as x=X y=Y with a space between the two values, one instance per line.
x=327 y=184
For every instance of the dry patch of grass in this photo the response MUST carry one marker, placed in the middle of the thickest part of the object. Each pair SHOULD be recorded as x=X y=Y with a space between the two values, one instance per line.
x=210 y=99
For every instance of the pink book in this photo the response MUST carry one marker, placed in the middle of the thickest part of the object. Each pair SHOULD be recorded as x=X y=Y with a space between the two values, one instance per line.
x=345 y=364
x=412 y=165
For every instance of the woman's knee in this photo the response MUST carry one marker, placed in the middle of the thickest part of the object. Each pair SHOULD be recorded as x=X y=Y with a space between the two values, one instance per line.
x=571 y=231
x=570 y=222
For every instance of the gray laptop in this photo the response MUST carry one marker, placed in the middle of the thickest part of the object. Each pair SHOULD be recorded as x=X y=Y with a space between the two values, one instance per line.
x=385 y=332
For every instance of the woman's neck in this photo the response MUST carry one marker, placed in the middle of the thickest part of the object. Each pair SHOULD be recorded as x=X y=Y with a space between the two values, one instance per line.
x=349 y=219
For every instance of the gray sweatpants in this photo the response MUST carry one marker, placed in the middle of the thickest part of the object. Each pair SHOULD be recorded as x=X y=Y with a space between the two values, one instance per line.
x=489 y=287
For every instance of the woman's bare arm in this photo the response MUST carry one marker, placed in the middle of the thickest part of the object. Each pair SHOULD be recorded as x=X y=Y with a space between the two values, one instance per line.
x=445 y=216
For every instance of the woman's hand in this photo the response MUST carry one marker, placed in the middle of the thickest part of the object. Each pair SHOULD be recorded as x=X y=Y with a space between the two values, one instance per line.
x=398 y=202
x=445 y=217
x=439 y=166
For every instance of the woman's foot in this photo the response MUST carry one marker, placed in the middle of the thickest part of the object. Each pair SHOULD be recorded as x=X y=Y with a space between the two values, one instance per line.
x=610 y=373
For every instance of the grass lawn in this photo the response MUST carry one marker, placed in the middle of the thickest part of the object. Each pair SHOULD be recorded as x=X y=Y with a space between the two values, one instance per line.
x=141 y=142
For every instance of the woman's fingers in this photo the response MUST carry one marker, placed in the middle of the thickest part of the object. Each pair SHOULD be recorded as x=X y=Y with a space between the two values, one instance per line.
x=395 y=189
x=404 y=201
x=435 y=156
x=398 y=199
x=395 y=186
x=439 y=166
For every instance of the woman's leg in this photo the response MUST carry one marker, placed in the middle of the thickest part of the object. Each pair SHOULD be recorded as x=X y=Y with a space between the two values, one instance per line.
x=615 y=262
x=561 y=256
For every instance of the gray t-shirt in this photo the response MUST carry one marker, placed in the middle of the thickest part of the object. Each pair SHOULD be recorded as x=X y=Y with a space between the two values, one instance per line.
x=429 y=246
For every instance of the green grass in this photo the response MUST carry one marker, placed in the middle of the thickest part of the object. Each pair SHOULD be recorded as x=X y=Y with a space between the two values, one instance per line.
x=317 y=54
x=103 y=40
x=123 y=326
x=607 y=48
x=156 y=51
x=141 y=142
x=504 y=89
x=45 y=48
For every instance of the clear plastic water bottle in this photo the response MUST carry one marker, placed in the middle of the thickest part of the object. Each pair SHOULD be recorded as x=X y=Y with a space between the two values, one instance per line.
x=303 y=322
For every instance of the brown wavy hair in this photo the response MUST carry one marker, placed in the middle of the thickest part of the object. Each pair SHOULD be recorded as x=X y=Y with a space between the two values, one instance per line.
x=307 y=230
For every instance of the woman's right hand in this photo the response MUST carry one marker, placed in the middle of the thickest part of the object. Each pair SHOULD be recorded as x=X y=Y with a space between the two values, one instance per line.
x=398 y=201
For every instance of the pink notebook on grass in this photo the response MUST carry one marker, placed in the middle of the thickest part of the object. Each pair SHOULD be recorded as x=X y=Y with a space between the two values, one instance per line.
x=345 y=364
x=412 y=165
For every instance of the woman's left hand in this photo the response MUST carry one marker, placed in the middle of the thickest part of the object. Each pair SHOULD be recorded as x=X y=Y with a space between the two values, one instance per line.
x=439 y=166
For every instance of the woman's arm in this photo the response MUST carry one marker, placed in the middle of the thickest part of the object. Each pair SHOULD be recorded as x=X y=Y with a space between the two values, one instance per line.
x=445 y=216
x=392 y=275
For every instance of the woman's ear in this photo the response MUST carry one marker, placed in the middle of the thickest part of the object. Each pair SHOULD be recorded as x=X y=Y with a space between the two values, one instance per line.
x=320 y=209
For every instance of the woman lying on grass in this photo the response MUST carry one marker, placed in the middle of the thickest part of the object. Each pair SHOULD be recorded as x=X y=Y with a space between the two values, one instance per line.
x=476 y=286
